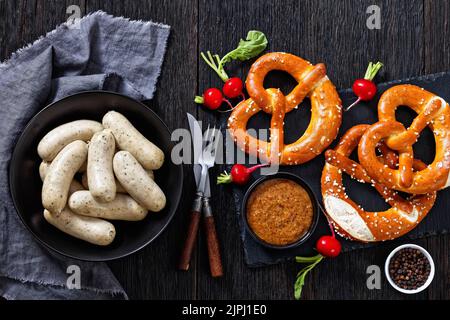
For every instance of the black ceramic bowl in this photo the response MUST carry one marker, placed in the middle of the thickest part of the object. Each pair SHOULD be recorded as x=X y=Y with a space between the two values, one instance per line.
x=26 y=185
x=301 y=182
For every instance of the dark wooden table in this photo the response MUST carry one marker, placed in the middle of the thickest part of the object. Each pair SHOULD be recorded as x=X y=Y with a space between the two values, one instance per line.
x=414 y=39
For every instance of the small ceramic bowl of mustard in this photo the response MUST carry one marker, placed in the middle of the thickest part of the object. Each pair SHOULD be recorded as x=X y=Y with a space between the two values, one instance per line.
x=280 y=211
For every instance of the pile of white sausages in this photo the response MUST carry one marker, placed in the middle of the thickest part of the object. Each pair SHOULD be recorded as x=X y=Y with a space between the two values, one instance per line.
x=116 y=163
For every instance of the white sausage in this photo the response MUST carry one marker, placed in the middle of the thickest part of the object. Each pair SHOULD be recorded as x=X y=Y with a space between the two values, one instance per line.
x=54 y=141
x=56 y=185
x=139 y=185
x=93 y=230
x=43 y=167
x=131 y=140
x=74 y=185
x=85 y=182
x=119 y=187
x=100 y=173
x=123 y=207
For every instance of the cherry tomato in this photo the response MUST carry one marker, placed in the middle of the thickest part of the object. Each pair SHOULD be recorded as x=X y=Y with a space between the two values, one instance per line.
x=212 y=98
x=240 y=174
x=364 y=89
x=233 y=87
x=328 y=246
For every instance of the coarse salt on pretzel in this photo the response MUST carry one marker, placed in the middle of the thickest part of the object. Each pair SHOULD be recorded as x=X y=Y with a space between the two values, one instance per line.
x=350 y=219
x=432 y=111
x=326 y=110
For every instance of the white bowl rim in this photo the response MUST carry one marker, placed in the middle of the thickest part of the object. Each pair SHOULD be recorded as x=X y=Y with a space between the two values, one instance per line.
x=430 y=276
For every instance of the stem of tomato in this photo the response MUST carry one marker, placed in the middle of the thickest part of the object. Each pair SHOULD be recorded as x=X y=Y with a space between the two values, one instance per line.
x=331 y=228
x=228 y=103
x=219 y=63
x=199 y=100
x=251 y=169
x=330 y=225
x=372 y=70
x=353 y=104
x=209 y=63
x=216 y=66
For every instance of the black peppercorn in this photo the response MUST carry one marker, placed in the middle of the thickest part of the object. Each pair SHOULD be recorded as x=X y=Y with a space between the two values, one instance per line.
x=409 y=268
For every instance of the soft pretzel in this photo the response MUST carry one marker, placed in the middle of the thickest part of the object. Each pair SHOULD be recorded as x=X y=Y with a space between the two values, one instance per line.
x=326 y=110
x=432 y=111
x=350 y=219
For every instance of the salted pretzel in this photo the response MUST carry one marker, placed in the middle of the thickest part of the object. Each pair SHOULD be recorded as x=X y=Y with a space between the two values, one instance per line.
x=326 y=110
x=350 y=219
x=432 y=111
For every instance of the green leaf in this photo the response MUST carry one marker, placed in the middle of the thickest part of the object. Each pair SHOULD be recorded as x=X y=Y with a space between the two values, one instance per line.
x=254 y=44
x=308 y=259
x=300 y=281
x=299 y=286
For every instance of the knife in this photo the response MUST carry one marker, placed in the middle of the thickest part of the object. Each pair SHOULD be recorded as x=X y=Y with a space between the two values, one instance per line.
x=194 y=220
x=215 y=260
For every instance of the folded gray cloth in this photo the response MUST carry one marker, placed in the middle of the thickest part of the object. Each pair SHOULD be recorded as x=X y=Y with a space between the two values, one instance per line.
x=97 y=52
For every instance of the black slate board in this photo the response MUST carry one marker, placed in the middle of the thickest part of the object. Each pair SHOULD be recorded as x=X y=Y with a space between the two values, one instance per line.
x=436 y=222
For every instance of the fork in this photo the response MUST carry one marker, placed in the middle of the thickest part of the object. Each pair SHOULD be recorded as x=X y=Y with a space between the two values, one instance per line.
x=206 y=160
x=208 y=156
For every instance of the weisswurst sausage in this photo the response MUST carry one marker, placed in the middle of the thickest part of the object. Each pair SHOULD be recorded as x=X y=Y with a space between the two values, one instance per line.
x=119 y=187
x=93 y=230
x=123 y=207
x=101 y=180
x=129 y=139
x=74 y=185
x=54 y=141
x=57 y=182
x=138 y=184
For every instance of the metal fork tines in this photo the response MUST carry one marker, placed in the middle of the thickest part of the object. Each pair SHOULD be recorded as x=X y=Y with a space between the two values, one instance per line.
x=208 y=155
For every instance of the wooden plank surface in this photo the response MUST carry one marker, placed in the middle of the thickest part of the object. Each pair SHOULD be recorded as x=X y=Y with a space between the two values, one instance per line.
x=151 y=273
x=413 y=40
x=437 y=59
x=319 y=31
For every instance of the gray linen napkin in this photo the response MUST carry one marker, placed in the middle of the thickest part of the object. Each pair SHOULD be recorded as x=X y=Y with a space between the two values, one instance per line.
x=96 y=52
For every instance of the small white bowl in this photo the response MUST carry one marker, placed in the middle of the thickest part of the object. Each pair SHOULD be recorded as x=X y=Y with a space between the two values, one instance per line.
x=430 y=276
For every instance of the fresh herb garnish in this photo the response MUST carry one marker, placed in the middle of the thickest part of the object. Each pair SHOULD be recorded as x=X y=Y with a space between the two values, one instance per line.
x=249 y=48
x=300 y=281
x=365 y=89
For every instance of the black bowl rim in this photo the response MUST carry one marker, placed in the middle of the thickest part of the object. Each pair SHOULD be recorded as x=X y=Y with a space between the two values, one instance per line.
x=292 y=177
x=45 y=244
